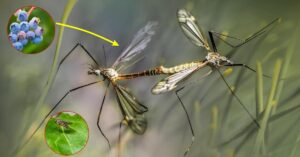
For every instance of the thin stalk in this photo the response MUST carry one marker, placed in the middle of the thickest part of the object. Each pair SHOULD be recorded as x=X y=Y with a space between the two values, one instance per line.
x=287 y=60
x=259 y=89
x=260 y=139
x=214 y=124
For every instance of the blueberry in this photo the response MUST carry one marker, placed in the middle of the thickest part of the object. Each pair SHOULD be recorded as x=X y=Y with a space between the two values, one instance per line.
x=14 y=27
x=33 y=23
x=39 y=31
x=22 y=16
x=30 y=35
x=13 y=37
x=21 y=35
x=18 y=46
x=24 y=26
x=37 y=39
x=23 y=41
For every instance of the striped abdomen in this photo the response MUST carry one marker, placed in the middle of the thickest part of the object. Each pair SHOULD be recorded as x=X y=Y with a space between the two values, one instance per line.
x=180 y=67
x=152 y=72
x=160 y=70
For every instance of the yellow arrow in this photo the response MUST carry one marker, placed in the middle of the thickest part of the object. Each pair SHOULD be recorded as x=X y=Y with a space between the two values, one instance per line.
x=114 y=43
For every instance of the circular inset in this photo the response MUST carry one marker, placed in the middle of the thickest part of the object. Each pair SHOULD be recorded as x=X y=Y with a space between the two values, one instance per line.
x=30 y=29
x=66 y=133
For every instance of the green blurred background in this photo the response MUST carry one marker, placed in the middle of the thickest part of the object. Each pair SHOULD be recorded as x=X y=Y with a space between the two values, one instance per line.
x=23 y=78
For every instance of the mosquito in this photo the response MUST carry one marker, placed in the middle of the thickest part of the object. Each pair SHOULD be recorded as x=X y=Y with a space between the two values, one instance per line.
x=132 y=110
x=213 y=59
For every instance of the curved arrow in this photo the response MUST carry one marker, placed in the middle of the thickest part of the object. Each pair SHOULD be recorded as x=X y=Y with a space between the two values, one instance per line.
x=113 y=42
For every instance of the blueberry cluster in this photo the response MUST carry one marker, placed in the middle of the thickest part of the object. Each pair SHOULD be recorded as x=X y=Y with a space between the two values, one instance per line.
x=22 y=32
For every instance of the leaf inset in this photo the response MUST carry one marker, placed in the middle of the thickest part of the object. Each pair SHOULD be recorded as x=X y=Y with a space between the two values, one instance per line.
x=66 y=133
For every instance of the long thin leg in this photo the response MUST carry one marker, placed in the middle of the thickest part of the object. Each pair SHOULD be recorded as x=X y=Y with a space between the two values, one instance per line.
x=47 y=115
x=99 y=114
x=119 y=138
x=72 y=50
x=218 y=35
x=238 y=99
x=212 y=41
x=244 y=41
x=246 y=66
x=189 y=120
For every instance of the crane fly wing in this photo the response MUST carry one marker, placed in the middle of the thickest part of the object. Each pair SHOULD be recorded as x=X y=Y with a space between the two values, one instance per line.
x=139 y=43
x=132 y=110
x=171 y=82
x=191 y=29
x=131 y=100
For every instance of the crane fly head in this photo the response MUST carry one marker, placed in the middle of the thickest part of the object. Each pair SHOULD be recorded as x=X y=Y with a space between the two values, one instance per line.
x=94 y=71
x=109 y=73
x=216 y=59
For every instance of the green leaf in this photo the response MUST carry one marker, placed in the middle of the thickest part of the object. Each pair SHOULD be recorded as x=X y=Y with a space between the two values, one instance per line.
x=66 y=139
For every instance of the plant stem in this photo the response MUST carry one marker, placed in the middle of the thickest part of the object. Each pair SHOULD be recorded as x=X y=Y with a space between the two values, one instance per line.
x=287 y=60
x=260 y=139
x=259 y=90
x=31 y=9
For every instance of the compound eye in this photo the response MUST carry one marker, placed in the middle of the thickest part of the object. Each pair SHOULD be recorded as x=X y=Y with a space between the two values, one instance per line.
x=97 y=72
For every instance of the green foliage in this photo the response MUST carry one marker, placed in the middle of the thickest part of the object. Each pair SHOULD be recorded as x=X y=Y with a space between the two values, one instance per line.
x=66 y=139
x=260 y=139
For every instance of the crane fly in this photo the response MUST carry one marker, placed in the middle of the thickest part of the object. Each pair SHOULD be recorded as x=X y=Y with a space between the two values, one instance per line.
x=213 y=59
x=132 y=110
x=62 y=123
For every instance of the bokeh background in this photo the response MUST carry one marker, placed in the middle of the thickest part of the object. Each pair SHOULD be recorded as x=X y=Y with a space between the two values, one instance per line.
x=216 y=116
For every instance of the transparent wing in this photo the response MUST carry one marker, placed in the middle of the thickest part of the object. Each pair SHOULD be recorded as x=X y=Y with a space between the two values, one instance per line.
x=132 y=110
x=139 y=43
x=169 y=83
x=191 y=29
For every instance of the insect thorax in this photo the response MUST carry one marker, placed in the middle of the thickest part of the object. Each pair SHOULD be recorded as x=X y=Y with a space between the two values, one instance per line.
x=110 y=73
x=216 y=59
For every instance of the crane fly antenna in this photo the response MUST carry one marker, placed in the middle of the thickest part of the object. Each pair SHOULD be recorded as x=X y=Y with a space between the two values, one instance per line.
x=246 y=66
x=99 y=114
x=238 y=99
x=189 y=120
x=48 y=114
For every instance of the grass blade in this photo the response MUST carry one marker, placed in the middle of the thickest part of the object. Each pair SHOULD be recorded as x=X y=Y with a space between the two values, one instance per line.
x=259 y=90
x=260 y=139
x=287 y=61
